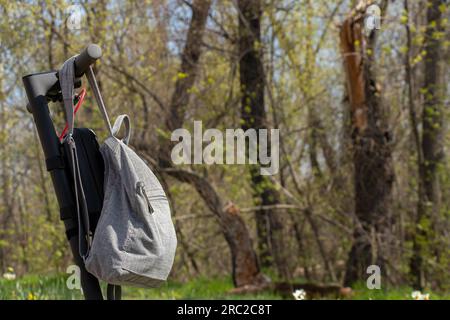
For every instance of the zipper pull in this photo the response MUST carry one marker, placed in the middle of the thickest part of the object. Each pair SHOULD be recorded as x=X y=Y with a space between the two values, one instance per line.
x=141 y=189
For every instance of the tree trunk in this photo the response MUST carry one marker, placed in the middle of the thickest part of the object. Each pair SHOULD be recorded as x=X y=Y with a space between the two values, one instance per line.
x=432 y=148
x=245 y=266
x=253 y=114
x=189 y=64
x=373 y=173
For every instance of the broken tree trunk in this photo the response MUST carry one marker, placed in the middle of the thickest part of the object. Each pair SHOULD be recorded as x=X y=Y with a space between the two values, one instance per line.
x=373 y=173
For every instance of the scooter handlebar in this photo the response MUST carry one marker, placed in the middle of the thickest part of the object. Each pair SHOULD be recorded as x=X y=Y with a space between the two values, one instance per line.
x=86 y=58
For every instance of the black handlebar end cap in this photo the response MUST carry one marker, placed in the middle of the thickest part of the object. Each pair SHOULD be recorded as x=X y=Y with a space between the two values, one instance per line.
x=86 y=58
x=94 y=51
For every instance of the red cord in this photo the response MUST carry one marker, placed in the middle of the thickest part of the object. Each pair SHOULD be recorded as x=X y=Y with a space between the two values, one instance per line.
x=81 y=96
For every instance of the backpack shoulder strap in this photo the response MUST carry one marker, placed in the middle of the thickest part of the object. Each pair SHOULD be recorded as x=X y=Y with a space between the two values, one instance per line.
x=84 y=236
x=123 y=118
x=66 y=81
x=98 y=97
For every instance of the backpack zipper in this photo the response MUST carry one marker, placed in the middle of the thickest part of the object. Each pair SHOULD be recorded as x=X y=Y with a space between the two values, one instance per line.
x=141 y=189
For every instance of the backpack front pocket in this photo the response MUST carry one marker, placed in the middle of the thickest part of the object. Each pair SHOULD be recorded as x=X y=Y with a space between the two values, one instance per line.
x=141 y=192
x=143 y=230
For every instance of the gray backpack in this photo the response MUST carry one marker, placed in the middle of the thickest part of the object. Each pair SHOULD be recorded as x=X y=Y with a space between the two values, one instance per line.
x=134 y=241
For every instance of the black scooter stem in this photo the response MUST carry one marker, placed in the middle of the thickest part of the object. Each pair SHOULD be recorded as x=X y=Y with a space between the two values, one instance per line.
x=38 y=86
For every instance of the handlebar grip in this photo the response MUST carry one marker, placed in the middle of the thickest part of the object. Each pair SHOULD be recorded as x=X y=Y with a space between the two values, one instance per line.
x=89 y=55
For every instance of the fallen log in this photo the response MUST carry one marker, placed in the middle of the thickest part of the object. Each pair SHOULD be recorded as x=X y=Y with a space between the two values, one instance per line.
x=286 y=290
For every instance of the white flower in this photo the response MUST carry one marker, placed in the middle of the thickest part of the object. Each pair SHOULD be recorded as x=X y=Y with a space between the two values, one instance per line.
x=9 y=276
x=299 y=294
x=417 y=295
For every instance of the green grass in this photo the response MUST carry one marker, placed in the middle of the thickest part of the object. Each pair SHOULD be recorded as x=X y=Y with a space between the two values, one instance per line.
x=196 y=289
x=54 y=287
x=36 y=287
x=402 y=293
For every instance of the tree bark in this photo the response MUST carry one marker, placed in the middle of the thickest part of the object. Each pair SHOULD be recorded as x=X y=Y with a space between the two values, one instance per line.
x=189 y=65
x=253 y=115
x=431 y=145
x=373 y=173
